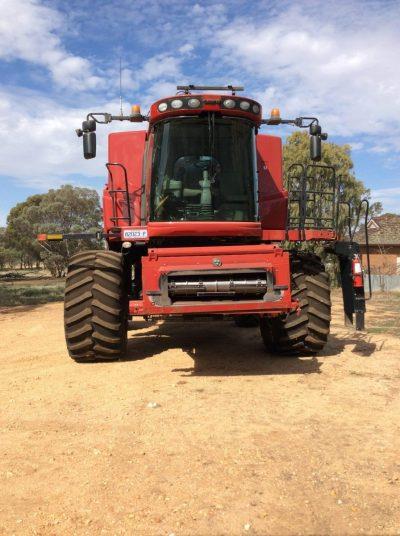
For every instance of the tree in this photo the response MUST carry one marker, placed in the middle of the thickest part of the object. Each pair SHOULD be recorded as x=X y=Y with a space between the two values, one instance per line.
x=66 y=209
x=9 y=258
x=19 y=235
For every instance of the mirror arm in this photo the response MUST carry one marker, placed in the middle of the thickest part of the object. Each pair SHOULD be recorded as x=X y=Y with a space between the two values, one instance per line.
x=300 y=122
x=88 y=130
x=107 y=118
x=312 y=123
x=102 y=118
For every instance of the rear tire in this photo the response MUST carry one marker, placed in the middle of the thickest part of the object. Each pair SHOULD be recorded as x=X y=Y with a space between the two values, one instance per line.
x=96 y=306
x=305 y=333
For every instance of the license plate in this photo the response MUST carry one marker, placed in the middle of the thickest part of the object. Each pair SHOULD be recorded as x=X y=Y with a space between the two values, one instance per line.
x=139 y=233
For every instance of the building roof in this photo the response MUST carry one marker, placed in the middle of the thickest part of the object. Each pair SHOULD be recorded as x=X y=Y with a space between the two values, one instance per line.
x=382 y=230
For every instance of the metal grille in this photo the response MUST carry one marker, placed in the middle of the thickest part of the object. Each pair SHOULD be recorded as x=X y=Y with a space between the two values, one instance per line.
x=312 y=202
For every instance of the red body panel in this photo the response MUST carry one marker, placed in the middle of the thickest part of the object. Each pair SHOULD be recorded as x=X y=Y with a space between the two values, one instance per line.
x=204 y=228
x=223 y=229
x=163 y=260
x=272 y=195
x=126 y=148
x=298 y=235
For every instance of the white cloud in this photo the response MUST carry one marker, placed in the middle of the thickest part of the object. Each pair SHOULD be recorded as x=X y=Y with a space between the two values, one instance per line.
x=356 y=145
x=29 y=32
x=39 y=145
x=158 y=75
x=3 y=218
x=159 y=89
x=380 y=148
x=315 y=58
x=186 y=49
x=389 y=197
x=129 y=80
x=160 y=66
x=197 y=9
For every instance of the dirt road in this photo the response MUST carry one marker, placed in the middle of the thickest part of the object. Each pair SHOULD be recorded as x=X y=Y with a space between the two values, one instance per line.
x=238 y=443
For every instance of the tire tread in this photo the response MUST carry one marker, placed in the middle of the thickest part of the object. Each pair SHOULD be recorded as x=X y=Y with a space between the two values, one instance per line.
x=305 y=333
x=95 y=306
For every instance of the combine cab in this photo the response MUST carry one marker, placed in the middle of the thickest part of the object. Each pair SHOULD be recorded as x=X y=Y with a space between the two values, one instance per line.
x=195 y=214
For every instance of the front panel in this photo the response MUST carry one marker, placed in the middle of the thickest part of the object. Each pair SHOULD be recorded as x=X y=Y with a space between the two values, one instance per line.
x=220 y=279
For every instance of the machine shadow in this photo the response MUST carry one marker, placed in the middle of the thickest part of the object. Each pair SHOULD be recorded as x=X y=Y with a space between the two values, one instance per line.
x=362 y=342
x=217 y=348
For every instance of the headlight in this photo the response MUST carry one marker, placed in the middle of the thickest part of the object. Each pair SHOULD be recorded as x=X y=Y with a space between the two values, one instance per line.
x=162 y=106
x=176 y=104
x=256 y=108
x=229 y=103
x=193 y=103
x=244 y=105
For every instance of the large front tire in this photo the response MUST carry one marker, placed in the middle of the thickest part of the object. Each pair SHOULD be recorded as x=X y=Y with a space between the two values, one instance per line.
x=96 y=306
x=305 y=332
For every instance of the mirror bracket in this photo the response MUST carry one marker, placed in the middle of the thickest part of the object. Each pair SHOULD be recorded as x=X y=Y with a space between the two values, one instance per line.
x=312 y=123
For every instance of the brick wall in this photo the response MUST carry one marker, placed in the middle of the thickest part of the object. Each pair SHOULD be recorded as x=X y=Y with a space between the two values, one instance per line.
x=384 y=259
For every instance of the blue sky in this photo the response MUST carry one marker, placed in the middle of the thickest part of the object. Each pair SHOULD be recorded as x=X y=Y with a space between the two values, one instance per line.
x=59 y=59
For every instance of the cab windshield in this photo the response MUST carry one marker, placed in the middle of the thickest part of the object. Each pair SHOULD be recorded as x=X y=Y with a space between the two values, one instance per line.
x=203 y=169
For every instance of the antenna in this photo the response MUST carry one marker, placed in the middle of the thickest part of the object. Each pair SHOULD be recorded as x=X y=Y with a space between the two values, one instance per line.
x=120 y=85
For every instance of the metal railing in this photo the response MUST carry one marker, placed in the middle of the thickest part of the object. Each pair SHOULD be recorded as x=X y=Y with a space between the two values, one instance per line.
x=312 y=202
x=114 y=194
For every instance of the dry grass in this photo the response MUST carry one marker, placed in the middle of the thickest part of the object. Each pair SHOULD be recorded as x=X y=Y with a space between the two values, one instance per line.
x=386 y=313
x=29 y=287
x=30 y=294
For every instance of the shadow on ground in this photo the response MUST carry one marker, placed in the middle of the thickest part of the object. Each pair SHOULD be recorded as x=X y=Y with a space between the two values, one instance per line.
x=220 y=348
x=362 y=343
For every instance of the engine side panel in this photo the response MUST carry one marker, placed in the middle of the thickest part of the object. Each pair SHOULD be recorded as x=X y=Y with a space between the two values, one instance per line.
x=126 y=148
x=272 y=194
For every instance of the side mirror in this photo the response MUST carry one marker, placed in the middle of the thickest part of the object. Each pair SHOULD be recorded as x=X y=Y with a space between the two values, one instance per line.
x=316 y=135
x=89 y=145
x=89 y=138
x=315 y=148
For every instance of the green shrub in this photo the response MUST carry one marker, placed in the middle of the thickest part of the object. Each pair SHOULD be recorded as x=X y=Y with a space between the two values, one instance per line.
x=30 y=295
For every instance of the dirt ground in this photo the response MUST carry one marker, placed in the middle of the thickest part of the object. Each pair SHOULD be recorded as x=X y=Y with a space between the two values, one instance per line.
x=238 y=442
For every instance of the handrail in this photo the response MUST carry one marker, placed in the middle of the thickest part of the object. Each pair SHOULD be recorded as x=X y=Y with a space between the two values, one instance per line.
x=108 y=165
x=365 y=200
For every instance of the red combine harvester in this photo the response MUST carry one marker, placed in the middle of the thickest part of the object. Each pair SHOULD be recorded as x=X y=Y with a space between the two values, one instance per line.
x=195 y=215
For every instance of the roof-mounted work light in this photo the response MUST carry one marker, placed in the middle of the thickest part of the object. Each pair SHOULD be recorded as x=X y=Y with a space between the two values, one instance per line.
x=275 y=117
